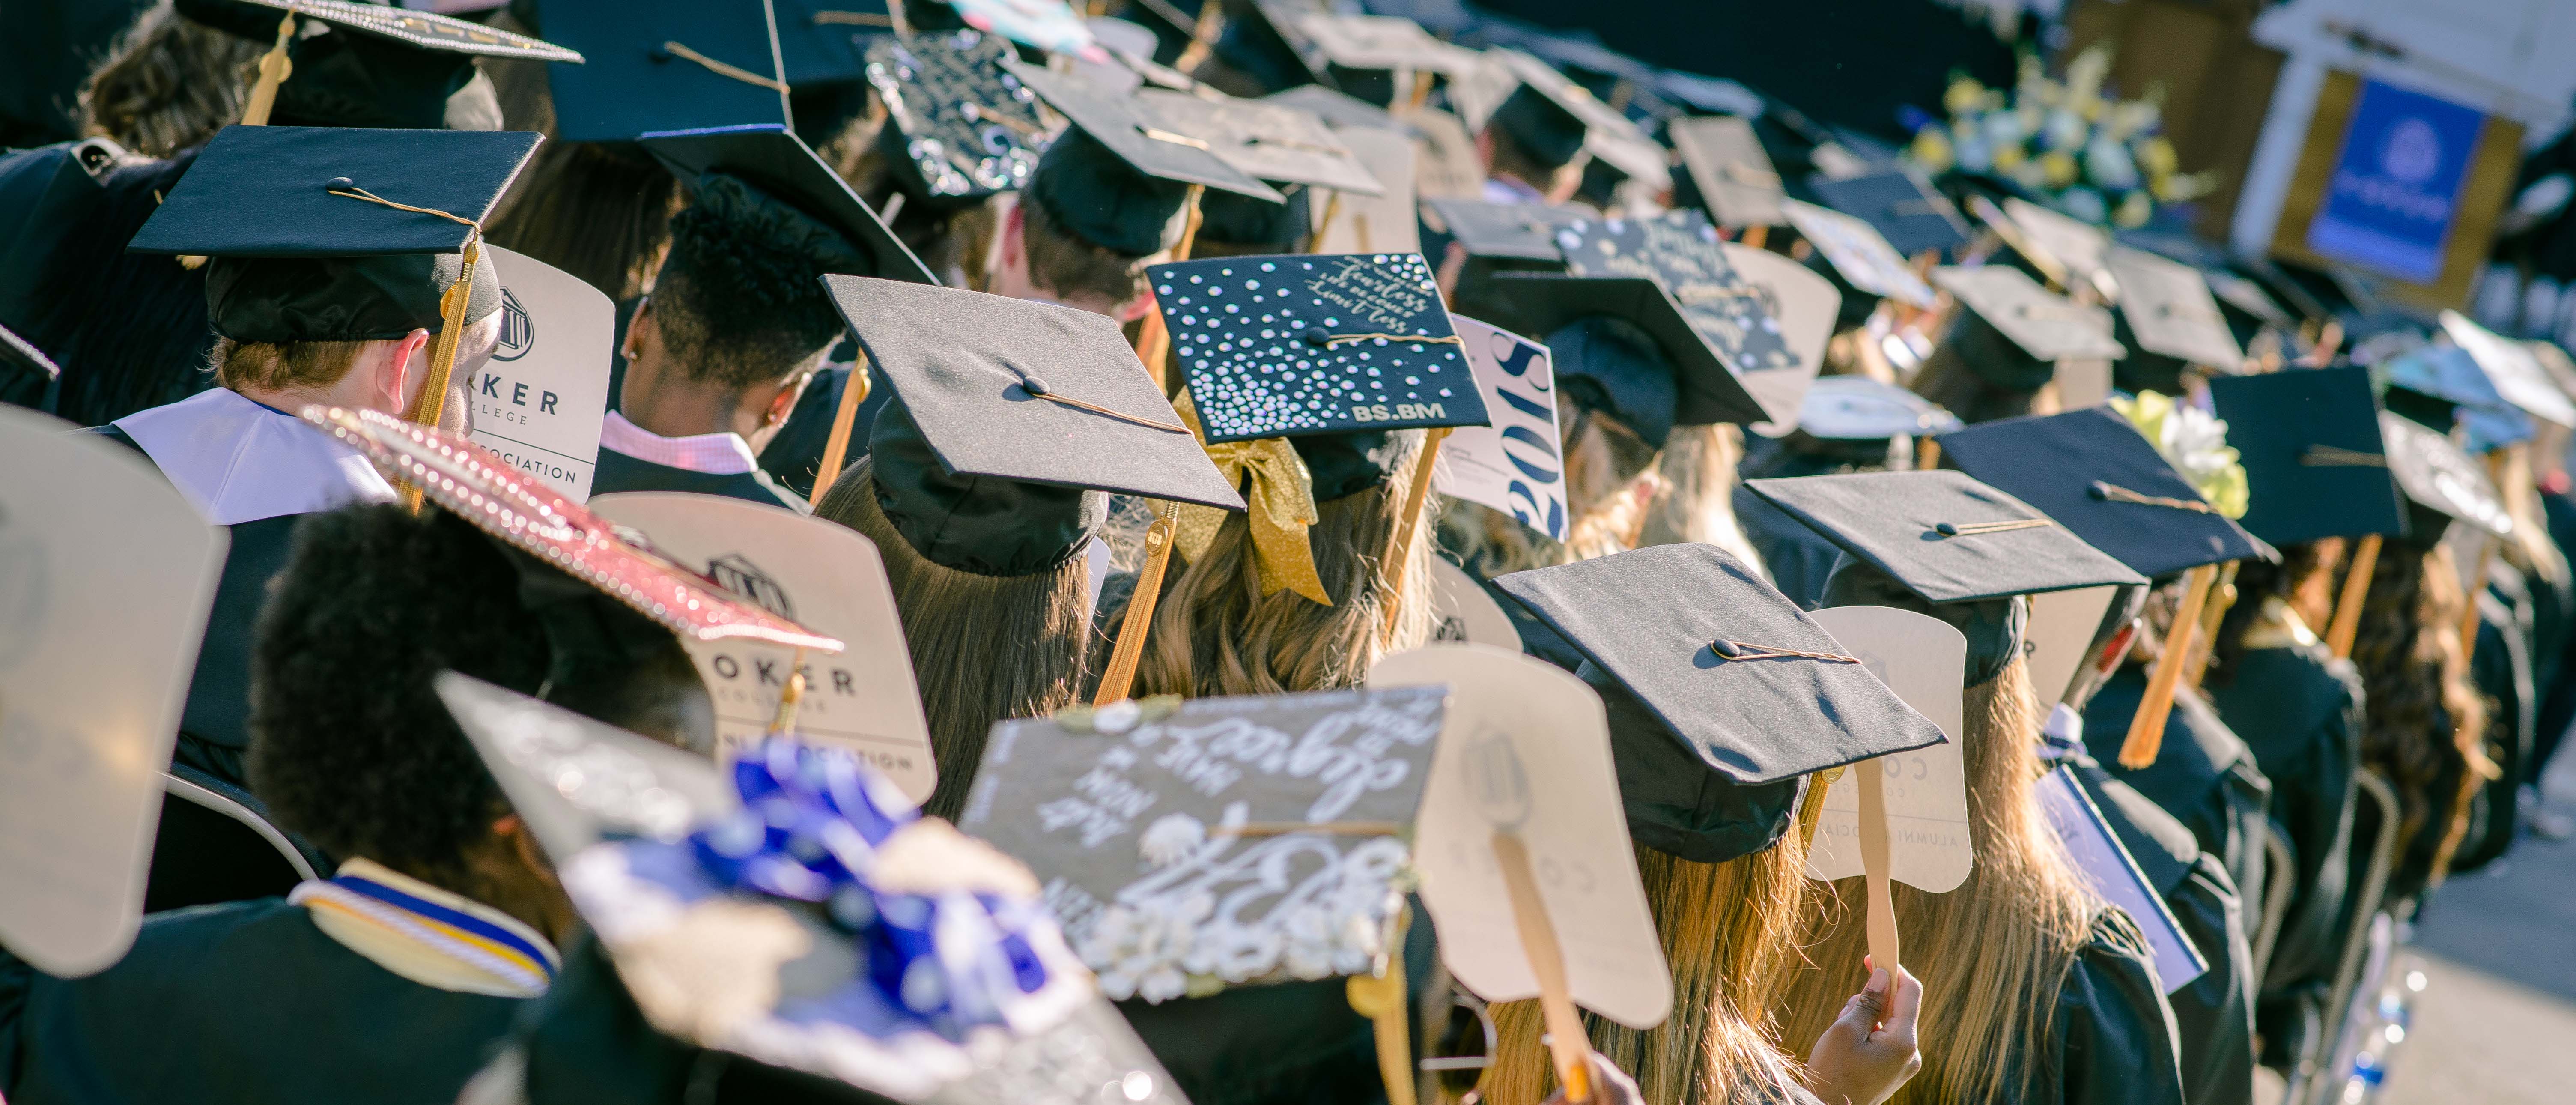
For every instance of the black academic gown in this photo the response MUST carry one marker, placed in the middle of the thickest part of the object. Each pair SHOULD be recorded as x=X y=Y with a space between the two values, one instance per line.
x=2299 y=711
x=619 y=472
x=2213 y=1014
x=2503 y=673
x=1798 y=558
x=2111 y=1041
x=247 y=1002
x=2204 y=776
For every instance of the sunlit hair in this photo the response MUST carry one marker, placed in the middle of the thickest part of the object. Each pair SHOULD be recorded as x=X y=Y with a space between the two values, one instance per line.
x=1994 y=953
x=2426 y=717
x=1215 y=633
x=2529 y=549
x=1728 y=932
x=168 y=84
x=2299 y=581
x=600 y=211
x=1620 y=494
x=1694 y=496
x=984 y=648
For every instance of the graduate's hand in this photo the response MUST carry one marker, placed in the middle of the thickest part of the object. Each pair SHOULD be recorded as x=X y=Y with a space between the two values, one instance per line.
x=1610 y=1085
x=1868 y=1053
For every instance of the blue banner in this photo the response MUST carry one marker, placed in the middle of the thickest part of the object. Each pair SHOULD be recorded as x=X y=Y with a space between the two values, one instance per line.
x=2394 y=194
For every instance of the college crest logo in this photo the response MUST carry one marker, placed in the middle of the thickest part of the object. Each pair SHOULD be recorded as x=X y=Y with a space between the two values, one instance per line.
x=518 y=331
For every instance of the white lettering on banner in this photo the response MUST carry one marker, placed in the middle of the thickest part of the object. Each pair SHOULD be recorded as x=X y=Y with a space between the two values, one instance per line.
x=1514 y=465
x=540 y=401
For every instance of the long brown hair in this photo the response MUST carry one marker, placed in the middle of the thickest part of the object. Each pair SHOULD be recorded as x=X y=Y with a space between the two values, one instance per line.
x=168 y=84
x=984 y=648
x=1994 y=952
x=1728 y=931
x=1215 y=633
x=2426 y=716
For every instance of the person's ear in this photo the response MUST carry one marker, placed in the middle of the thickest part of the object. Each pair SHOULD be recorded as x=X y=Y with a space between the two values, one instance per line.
x=1135 y=308
x=783 y=404
x=636 y=324
x=405 y=366
x=1014 y=243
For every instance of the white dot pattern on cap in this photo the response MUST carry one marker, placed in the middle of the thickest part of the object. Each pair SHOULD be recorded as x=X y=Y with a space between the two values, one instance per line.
x=1679 y=251
x=1278 y=346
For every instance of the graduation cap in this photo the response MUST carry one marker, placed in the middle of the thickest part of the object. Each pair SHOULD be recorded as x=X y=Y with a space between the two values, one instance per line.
x=1340 y=109
x=2014 y=331
x=2511 y=367
x=2171 y=319
x=665 y=65
x=1273 y=142
x=1117 y=178
x=959 y=125
x=904 y=959
x=1010 y=418
x=1943 y=544
x=1310 y=344
x=1728 y=166
x=1379 y=43
x=379 y=66
x=1506 y=231
x=1232 y=225
x=331 y=234
x=1539 y=117
x=1903 y=206
x=783 y=169
x=2070 y=243
x=1857 y=408
x=2442 y=386
x=2093 y=473
x=2440 y=482
x=1721 y=695
x=1859 y=254
x=26 y=374
x=820 y=43
x=2310 y=443
x=1668 y=277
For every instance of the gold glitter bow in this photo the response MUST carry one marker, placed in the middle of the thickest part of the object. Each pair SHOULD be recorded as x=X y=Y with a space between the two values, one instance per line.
x=1282 y=502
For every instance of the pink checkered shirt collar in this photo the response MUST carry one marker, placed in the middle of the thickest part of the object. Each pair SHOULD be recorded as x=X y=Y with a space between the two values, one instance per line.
x=717 y=454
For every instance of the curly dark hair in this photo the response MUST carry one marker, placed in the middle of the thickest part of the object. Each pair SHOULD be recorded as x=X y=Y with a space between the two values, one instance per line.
x=2427 y=719
x=740 y=299
x=350 y=746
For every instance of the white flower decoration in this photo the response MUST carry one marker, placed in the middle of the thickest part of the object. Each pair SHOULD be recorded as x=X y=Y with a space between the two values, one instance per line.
x=1172 y=838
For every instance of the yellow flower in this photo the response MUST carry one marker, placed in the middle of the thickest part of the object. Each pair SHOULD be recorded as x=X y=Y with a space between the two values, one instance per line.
x=2155 y=155
x=2134 y=210
x=1931 y=149
x=2057 y=167
x=1962 y=95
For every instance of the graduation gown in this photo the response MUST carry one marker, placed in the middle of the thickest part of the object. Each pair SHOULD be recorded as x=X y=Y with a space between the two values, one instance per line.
x=2213 y=1014
x=2502 y=670
x=1798 y=558
x=257 y=471
x=247 y=1002
x=2299 y=711
x=2112 y=1036
x=620 y=472
x=2205 y=777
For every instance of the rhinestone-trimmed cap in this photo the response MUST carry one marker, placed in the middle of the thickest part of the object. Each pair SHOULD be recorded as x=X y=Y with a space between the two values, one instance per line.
x=480 y=487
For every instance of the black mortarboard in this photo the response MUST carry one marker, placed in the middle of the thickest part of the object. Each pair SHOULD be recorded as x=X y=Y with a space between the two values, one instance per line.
x=1236 y=225
x=1942 y=544
x=2314 y=462
x=958 y=125
x=1272 y=142
x=1908 y=210
x=1710 y=750
x=2168 y=306
x=2097 y=476
x=1543 y=127
x=1113 y=178
x=2042 y=324
x=1857 y=408
x=1498 y=237
x=1727 y=165
x=1380 y=43
x=1339 y=108
x=1125 y=127
x=779 y=164
x=1667 y=276
x=821 y=43
x=2440 y=482
x=380 y=66
x=662 y=65
x=1287 y=346
x=1010 y=418
x=299 y=255
x=2513 y=370
x=1858 y=258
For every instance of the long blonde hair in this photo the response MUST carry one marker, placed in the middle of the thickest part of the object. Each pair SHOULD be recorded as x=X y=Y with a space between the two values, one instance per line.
x=984 y=648
x=1992 y=953
x=1620 y=494
x=1215 y=633
x=1728 y=931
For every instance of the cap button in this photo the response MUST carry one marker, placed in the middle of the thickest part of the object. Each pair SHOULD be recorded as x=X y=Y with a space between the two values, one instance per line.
x=1033 y=385
x=1945 y=529
x=1316 y=336
x=340 y=184
x=658 y=54
x=2100 y=490
x=1724 y=649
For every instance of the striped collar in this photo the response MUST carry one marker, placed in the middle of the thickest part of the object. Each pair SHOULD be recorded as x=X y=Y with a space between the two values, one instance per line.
x=428 y=935
x=716 y=454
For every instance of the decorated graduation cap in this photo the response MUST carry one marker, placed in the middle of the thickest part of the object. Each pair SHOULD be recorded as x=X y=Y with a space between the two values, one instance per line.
x=377 y=66
x=1732 y=173
x=1857 y=408
x=2169 y=320
x=328 y=234
x=1722 y=696
x=658 y=65
x=959 y=126
x=2310 y=443
x=1117 y=178
x=1668 y=278
x=1273 y=142
x=2441 y=483
x=898 y=956
x=2014 y=331
x=1498 y=238
x=1010 y=418
x=2096 y=476
x=1943 y=544
x=106 y=577
x=1904 y=207
x=1860 y=256
x=767 y=175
